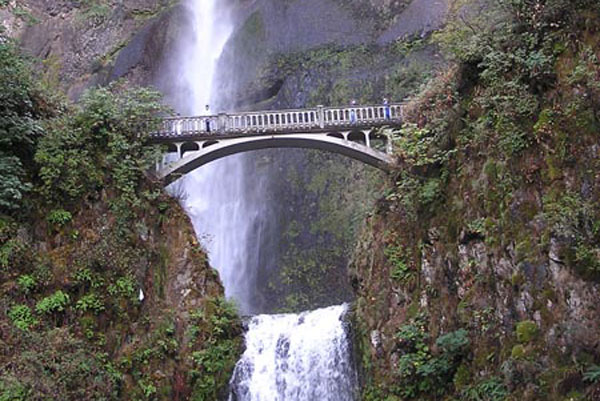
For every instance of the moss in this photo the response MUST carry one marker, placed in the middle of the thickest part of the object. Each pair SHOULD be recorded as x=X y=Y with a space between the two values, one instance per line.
x=462 y=377
x=518 y=352
x=517 y=279
x=526 y=331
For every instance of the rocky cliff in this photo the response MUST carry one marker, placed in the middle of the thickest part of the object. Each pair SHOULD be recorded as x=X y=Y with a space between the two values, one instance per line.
x=478 y=274
x=82 y=44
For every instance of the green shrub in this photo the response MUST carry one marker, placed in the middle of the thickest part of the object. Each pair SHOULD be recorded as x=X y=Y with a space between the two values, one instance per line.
x=21 y=317
x=26 y=283
x=420 y=370
x=56 y=302
x=592 y=374
x=90 y=302
x=20 y=113
x=85 y=276
x=491 y=389
x=217 y=330
x=59 y=218
x=454 y=343
x=125 y=287
x=400 y=269
x=103 y=143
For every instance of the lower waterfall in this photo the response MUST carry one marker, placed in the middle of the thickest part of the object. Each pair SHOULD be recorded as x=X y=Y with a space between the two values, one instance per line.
x=296 y=357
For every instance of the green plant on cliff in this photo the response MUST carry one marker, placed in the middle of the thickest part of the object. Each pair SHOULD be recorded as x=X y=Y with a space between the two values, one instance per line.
x=21 y=106
x=22 y=317
x=217 y=328
x=420 y=369
x=592 y=374
x=57 y=302
x=103 y=145
x=59 y=217
x=491 y=389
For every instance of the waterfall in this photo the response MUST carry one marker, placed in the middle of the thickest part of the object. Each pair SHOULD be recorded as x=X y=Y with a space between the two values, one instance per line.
x=211 y=29
x=296 y=357
x=219 y=198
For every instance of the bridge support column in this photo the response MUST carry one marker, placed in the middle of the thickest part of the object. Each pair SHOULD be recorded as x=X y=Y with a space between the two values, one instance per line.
x=367 y=139
x=321 y=116
x=389 y=147
x=179 y=145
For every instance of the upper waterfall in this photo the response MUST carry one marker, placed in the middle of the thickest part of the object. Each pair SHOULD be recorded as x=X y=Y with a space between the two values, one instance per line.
x=211 y=29
x=224 y=199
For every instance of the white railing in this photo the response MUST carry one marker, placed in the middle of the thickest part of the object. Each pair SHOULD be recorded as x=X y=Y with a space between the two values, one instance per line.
x=281 y=121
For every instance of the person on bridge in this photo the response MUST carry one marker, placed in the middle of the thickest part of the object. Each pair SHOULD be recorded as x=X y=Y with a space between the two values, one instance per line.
x=388 y=111
x=207 y=120
x=353 y=112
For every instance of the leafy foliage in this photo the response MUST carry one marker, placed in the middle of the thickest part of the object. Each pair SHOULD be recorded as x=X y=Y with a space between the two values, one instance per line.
x=400 y=269
x=22 y=317
x=56 y=365
x=26 y=283
x=21 y=108
x=90 y=302
x=59 y=217
x=422 y=371
x=103 y=145
x=57 y=302
x=491 y=389
x=217 y=328
x=592 y=374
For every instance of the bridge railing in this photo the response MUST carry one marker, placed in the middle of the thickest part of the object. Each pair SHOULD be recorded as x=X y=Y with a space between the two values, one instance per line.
x=279 y=120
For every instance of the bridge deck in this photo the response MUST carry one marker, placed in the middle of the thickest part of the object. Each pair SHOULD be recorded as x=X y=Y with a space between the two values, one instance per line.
x=314 y=120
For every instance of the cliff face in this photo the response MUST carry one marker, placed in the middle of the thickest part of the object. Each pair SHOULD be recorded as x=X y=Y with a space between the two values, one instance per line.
x=478 y=274
x=83 y=44
x=300 y=53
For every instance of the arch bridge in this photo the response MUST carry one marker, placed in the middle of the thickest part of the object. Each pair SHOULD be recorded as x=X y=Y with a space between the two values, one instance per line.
x=352 y=131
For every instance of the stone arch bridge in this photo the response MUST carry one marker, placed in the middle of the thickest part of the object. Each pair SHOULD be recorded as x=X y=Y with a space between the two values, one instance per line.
x=352 y=131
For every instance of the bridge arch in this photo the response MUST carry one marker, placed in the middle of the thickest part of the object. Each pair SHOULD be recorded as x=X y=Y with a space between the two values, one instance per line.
x=228 y=147
x=337 y=135
x=358 y=136
x=209 y=143
x=379 y=141
x=187 y=147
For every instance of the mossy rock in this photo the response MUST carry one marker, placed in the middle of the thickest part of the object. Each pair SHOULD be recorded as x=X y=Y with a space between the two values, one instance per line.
x=518 y=352
x=526 y=331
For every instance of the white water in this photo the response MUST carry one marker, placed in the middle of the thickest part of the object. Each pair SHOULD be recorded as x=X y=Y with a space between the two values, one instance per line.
x=212 y=27
x=296 y=357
